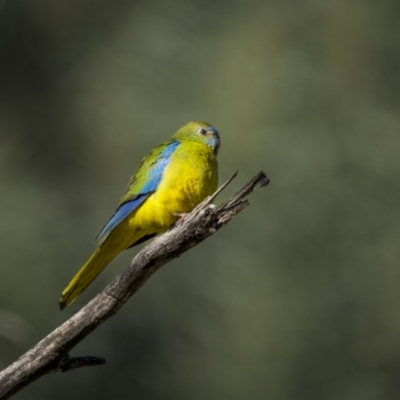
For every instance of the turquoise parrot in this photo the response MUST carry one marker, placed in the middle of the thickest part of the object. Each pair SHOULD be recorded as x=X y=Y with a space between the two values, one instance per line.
x=170 y=181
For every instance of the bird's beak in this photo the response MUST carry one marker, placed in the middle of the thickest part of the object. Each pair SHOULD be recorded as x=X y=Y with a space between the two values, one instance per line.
x=217 y=143
x=215 y=139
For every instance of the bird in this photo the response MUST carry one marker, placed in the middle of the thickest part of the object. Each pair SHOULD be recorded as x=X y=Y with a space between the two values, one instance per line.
x=170 y=182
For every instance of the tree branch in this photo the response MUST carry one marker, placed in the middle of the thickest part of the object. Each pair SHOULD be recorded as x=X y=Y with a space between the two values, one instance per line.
x=52 y=353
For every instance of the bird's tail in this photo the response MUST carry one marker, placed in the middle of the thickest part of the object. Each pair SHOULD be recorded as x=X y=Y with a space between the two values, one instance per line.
x=96 y=263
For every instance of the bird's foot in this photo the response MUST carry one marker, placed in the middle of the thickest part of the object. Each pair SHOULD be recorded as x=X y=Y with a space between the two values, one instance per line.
x=182 y=217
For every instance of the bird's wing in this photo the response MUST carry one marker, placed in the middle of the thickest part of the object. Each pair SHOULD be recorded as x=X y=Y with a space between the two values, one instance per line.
x=142 y=185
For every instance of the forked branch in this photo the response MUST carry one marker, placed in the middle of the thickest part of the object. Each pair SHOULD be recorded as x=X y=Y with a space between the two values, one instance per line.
x=52 y=353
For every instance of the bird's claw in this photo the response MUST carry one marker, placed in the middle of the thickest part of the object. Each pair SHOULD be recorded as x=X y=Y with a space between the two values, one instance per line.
x=181 y=219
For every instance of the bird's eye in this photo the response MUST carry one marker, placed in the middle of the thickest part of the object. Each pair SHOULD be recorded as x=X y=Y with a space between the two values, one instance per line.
x=202 y=131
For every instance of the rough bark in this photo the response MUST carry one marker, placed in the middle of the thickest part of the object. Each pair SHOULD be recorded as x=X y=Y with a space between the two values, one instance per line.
x=52 y=353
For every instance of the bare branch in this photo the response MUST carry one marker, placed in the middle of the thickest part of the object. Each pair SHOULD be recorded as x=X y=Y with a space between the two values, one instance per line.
x=52 y=353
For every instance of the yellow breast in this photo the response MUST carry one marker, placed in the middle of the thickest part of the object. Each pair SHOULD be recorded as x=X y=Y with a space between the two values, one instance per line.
x=190 y=176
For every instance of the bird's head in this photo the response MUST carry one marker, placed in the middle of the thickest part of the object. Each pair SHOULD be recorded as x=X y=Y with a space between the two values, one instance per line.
x=200 y=131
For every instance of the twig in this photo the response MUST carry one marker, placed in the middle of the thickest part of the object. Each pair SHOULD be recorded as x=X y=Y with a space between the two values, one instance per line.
x=69 y=363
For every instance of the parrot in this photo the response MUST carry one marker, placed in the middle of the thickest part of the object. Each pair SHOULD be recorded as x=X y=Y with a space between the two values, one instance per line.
x=170 y=182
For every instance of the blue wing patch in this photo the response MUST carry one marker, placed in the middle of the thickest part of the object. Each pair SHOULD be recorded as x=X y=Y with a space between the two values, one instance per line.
x=122 y=211
x=156 y=169
x=155 y=173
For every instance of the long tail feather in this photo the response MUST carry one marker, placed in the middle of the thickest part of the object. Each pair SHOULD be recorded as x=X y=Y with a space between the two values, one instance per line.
x=96 y=263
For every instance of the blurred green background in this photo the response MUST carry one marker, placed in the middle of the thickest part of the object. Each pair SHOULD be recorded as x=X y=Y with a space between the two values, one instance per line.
x=298 y=298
